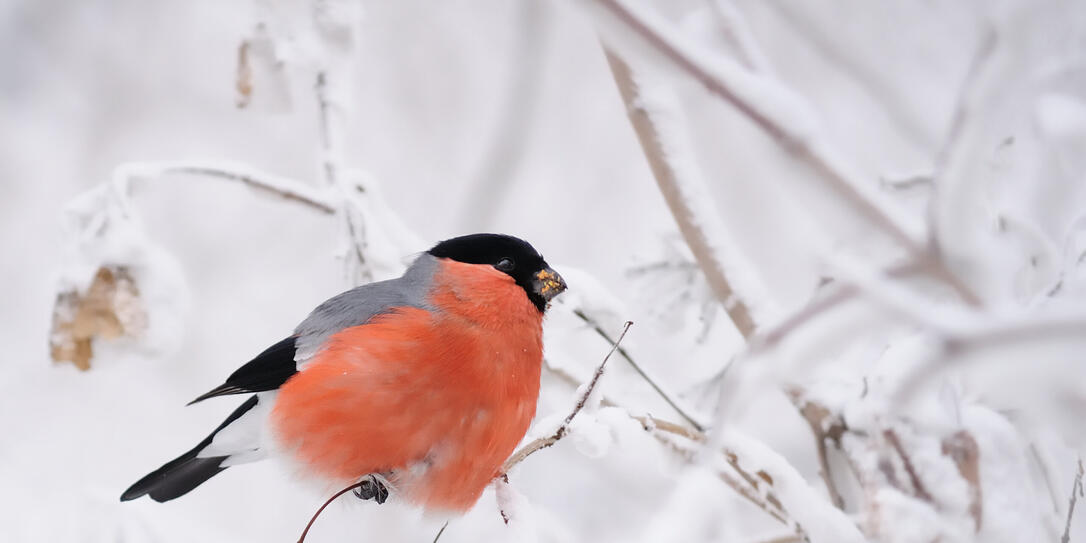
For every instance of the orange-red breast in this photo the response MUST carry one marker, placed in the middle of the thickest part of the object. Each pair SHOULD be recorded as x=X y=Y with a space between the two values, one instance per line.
x=421 y=385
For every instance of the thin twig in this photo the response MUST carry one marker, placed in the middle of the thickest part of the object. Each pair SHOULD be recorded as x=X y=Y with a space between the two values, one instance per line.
x=544 y=442
x=762 y=499
x=326 y=503
x=691 y=226
x=906 y=182
x=1076 y=492
x=1045 y=475
x=794 y=538
x=958 y=121
x=737 y=31
x=962 y=108
x=816 y=416
x=918 y=486
x=265 y=182
x=842 y=293
x=958 y=343
x=650 y=423
x=962 y=448
x=331 y=126
x=328 y=132
x=815 y=155
x=998 y=335
x=895 y=101
x=244 y=80
x=665 y=432
x=520 y=111
x=595 y=325
x=441 y=531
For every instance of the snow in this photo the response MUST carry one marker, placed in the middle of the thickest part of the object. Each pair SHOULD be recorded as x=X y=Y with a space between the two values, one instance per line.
x=590 y=436
x=819 y=519
x=780 y=105
x=1060 y=115
x=101 y=230
x=516 y=511
x=114 y=118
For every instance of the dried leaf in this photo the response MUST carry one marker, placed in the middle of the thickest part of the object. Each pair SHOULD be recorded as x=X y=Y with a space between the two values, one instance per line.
x=244 y=81
x=962 y=448
x=110 y=308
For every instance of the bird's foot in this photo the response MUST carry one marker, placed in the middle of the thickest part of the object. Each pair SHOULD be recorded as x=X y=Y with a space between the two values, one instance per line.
x=372 y=488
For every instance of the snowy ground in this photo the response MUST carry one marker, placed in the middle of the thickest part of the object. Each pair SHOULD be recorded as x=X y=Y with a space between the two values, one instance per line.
x=504 y=116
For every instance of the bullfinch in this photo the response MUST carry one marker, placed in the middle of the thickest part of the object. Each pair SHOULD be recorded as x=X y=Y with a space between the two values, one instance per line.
x=420 y=386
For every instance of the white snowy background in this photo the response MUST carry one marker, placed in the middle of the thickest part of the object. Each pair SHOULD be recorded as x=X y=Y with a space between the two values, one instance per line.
x=897 y=149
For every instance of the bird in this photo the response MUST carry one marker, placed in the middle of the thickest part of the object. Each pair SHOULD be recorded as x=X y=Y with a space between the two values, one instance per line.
x=419 y=386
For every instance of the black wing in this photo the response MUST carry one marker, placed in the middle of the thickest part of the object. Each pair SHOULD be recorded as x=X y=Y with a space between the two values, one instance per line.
x=187 y=471
x=268 y=371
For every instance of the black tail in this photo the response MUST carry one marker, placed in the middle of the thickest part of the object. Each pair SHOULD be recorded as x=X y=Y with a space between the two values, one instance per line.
x=186 y=472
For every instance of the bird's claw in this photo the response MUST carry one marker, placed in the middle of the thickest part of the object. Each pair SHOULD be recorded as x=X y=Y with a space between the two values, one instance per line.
x=371 y=488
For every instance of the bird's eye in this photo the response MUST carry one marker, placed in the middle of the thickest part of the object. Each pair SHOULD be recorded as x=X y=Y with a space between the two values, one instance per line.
x=506 y=264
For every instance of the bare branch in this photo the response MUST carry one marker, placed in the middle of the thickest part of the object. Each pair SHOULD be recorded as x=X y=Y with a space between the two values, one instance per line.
x=918 y=486
x=1076 y=492
x=842 y=293
x=815 y=155
x=962 y=448
x=286 y=188
x=595 y=325
x=690 y=224
x=544 y=442
x=824 y=425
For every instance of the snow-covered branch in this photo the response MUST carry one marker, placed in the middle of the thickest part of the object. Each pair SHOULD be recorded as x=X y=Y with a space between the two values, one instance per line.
x=688 y=443
x=669 y=398
x=737 y=31
x=964 y=112
x=779 y=114
x=825 y=427
x=686 y=197
x=284 y=187
x=585 y=392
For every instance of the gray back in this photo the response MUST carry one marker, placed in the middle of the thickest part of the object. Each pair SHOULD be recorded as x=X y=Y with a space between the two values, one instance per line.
x=358 y=305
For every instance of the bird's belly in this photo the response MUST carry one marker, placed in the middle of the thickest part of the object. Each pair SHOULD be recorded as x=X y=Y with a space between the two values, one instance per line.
x=456 y=471
x=436 y=413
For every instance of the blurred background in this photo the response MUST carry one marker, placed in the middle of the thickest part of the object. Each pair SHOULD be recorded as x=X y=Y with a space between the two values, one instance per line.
x=966 y=119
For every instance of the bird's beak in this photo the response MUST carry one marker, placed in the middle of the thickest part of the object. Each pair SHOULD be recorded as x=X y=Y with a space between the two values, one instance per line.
x=548 y=284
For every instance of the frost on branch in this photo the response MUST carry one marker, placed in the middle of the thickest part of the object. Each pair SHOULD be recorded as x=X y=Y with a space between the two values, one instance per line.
x=115 y=284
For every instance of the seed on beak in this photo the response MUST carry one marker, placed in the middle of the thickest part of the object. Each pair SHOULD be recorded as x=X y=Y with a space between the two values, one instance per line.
x=548 y=284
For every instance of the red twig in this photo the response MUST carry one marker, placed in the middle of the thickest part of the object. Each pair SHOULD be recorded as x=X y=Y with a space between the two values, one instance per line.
x=326 y=503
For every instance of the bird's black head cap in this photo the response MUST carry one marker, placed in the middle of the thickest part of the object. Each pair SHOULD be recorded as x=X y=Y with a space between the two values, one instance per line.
x=510 y=255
